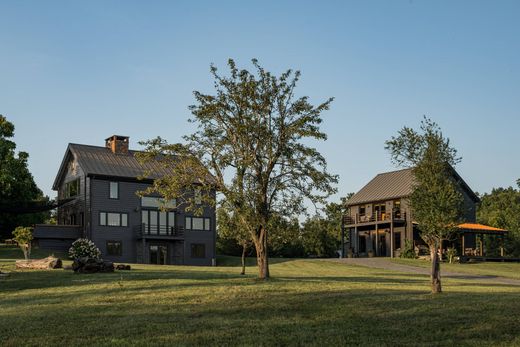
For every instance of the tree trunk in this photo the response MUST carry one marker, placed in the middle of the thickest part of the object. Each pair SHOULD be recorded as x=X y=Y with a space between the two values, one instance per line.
x=261 y=254
x=244 y=249
x=45 y=263
x=436 y=270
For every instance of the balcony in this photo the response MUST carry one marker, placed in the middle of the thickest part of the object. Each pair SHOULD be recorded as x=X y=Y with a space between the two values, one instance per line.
x=396 y=217
x=159 y=232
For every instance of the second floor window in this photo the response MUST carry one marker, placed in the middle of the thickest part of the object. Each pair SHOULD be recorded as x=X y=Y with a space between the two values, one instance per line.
x=198 y=223
x=71 y=188
x=114 y=190
x=362 y=210
x=113 y=219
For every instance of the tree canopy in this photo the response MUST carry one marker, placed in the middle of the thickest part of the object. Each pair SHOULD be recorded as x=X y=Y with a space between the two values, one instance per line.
x=17 y=186
x=252 y=138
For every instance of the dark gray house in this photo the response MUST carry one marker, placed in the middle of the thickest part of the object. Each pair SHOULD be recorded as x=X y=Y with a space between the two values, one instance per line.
x=379 y=219
x=102 y=183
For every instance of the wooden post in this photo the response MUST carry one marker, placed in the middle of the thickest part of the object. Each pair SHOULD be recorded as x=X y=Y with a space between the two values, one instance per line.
x=463 y=246
x=356 y=241
x=391 y=239
x=342 y=236
x=377 y=241
x=481 y=246
x=502 y=246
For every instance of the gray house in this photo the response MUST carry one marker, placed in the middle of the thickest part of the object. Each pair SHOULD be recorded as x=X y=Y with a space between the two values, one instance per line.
x=379 y=219
x=102 y=183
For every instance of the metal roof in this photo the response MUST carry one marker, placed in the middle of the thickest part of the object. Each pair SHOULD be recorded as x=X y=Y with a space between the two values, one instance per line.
x=96 y=160
x=385 y=186
x=395 y=185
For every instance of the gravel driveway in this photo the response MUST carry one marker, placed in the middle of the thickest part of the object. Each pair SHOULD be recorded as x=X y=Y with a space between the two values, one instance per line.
x=387 y=264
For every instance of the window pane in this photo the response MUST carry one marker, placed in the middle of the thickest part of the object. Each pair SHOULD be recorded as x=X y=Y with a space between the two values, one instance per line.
x=102 y=218
x=144 y=220
x=114 y=190
x=124 y=219
x=162 y=223
x=114 y=248
x=198 y=250
x=197 y=223
x=207 y=224
x=198 y=196
x=148 y=201
x=171 y=221
x=113 y=219
x=188 y=223
x=153 y=222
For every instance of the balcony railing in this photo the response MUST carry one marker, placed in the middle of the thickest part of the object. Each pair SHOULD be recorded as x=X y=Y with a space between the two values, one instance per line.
x=377 y=217
x=145 y=230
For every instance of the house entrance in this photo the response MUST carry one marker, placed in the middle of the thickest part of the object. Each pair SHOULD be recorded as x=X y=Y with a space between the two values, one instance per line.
x=158 y=254
x=382 y=246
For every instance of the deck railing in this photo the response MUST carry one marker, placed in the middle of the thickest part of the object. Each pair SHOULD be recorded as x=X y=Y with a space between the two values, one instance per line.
x=377 y=217
x=145 y=230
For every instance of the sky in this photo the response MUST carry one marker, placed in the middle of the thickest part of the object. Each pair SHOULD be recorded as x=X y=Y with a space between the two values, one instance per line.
x=80 y=71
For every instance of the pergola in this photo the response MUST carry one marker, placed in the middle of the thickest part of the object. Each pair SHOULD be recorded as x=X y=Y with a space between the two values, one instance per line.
x=474 y=229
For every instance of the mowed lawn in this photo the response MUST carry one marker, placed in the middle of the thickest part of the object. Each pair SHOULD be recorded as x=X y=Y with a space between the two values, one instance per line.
x=307 y=302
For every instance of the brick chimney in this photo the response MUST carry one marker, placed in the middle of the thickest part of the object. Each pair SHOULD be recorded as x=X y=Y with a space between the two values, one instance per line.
x=117 y=144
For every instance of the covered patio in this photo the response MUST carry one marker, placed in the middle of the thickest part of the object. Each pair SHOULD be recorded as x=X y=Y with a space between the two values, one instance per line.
x=472 y=242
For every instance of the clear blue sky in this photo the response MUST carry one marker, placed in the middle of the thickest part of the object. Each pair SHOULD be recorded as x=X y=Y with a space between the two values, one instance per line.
x=79 y=71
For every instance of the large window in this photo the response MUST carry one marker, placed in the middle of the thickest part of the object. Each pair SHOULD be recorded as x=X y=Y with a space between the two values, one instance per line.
x=198 y=223
x=113 y=219
x=114 y=190
x=397 y=240
x=114 y=248
x=198 y=250
x=158 y=222
x=72 y=188
x=149 y=201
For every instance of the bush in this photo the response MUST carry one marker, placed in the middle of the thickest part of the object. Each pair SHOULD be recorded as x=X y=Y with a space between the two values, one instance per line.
x=451 y=253
x=408 y=252
x=84 y=248
x=23 y=237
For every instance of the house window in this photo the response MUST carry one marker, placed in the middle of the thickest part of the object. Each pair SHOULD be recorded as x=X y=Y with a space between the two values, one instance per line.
x=362 y=210
x=72 y=188
x=114 y=190
x=198 y=197
x=113 y=219
x=397 y=240
x=149 y=201
x=114 y=248
x=397 y=209
x=198 y=223
x=198 y=250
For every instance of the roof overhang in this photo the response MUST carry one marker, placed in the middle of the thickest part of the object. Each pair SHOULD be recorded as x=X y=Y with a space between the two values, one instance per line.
x=475 y=228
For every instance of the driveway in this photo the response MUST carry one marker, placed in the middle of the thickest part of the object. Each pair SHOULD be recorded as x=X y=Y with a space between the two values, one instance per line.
x=387 y=264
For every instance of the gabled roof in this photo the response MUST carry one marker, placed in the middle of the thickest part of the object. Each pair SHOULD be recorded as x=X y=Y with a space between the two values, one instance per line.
x=95 y=160
x=385 y=186
x=395 y=185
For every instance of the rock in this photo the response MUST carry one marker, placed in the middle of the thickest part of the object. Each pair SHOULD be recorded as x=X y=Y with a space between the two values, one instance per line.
x=45 y=263
x=91 y=265
x=122 y=267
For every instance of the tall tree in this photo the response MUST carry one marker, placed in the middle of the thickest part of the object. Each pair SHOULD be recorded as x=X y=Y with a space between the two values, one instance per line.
x=436 y=200
x=252 y=137
x=17 y=186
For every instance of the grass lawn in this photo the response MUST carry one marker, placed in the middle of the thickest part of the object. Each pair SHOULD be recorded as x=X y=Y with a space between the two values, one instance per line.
x=307 y=302
x=509 y=270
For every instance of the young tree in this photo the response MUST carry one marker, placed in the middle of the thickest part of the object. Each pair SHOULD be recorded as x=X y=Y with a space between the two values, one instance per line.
x=229 y=228
x=252 y=137
x=23 y=237
x=436 y=201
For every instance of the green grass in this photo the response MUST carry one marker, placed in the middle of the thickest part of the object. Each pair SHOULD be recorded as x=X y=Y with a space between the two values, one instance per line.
x=508 y=270
x=307 y=302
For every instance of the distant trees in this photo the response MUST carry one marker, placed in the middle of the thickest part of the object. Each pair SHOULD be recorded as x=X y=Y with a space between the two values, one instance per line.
x=17 y=186
x=501 y=209
x=435 y=200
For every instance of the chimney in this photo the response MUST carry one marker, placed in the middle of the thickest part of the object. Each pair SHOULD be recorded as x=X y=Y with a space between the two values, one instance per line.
x=117 y=144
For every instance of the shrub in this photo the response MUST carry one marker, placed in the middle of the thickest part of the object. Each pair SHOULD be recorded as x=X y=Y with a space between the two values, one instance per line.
x=408 y=250
x=84 y=248
x=451 y=253
x=23 y=236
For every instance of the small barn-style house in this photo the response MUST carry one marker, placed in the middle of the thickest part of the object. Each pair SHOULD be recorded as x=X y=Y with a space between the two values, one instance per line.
x=100 y=184
x=379 y=219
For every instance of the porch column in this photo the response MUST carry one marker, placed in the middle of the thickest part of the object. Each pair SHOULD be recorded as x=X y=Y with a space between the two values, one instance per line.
x=463 y=246
x=481 y=245
x=377 y=241
x=502 y=246
x=392 y=239
x=356 y=242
